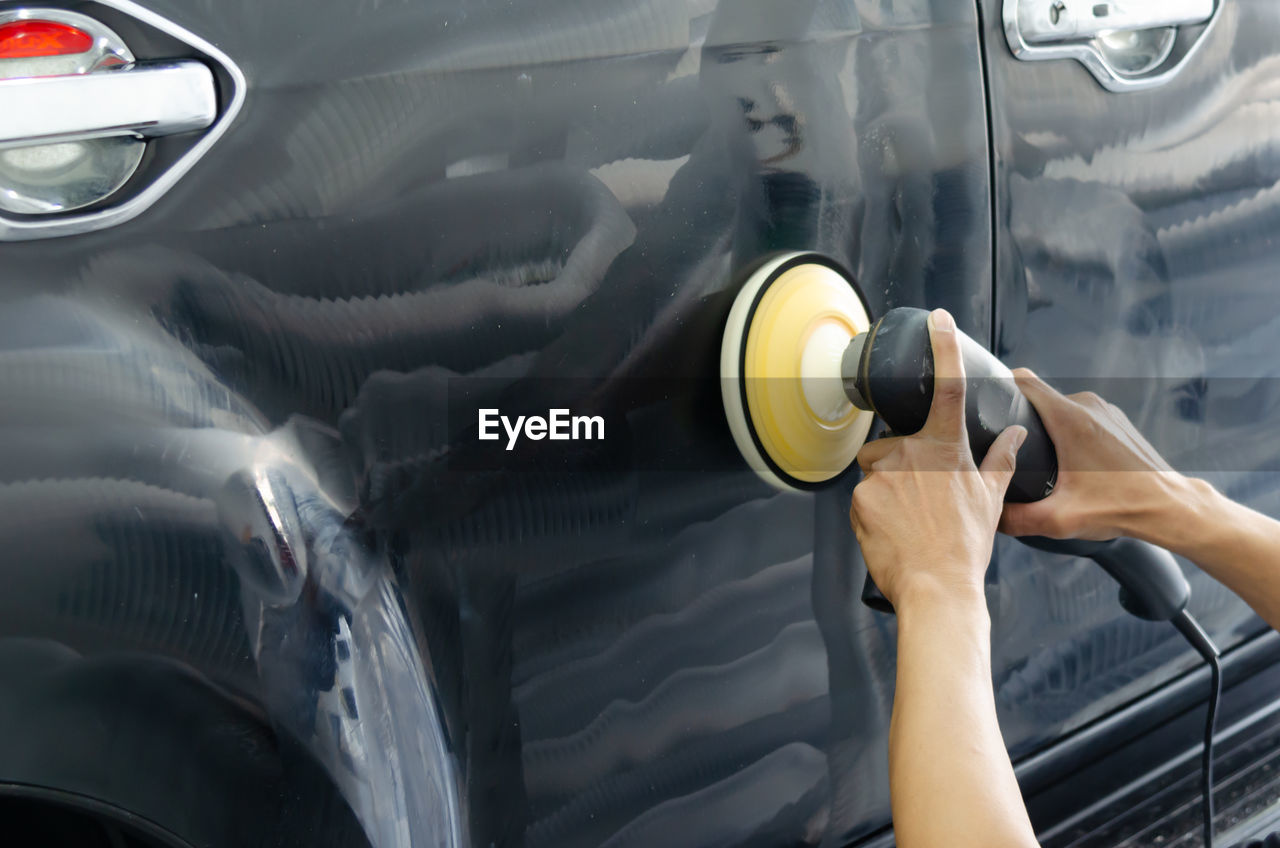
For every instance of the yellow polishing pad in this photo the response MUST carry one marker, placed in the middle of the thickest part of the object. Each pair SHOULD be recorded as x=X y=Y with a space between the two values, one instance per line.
x=782 y=350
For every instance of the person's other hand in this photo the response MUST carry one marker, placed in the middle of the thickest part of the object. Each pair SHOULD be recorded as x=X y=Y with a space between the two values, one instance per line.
x=925 y=516
x=1110 y=479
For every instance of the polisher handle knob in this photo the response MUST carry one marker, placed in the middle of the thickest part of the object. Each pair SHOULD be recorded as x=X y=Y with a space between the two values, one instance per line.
x=874 y=598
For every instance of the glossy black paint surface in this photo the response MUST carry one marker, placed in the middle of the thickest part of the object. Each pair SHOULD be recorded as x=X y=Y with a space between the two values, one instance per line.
x=228 y=458
x=1136 y=257
x=245 y=393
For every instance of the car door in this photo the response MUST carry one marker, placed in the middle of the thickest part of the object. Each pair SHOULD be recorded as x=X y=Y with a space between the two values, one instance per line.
x=1135 y=257
x=234 y=464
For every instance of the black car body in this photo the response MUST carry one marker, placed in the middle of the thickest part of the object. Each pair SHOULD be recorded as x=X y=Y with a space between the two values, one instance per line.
x=262 y=585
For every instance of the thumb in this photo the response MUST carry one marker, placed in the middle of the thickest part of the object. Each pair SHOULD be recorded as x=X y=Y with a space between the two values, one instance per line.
x=1002 y=460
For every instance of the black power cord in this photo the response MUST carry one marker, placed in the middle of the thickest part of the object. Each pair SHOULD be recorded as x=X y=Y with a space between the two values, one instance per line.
x=1194 y=633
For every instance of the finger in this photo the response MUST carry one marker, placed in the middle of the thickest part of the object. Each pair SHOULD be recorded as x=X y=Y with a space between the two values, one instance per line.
x=1047 y=400
x=873 y=452
x=946 y=413
x=1002 y=460
x=1038 y=392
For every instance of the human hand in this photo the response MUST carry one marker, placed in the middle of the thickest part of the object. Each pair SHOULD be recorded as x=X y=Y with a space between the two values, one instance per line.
x=925 y=515
x=1111 y=481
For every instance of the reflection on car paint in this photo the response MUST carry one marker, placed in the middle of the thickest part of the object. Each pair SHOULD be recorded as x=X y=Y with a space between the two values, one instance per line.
x=1135 y=260
x=244 y=395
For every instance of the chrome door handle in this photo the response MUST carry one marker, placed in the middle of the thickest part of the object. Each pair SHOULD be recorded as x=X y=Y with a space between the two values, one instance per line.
x=1043 y=21
x=1128 y=45
x=143 y=100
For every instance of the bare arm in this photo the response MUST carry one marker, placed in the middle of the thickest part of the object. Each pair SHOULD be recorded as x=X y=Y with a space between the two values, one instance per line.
x=1111 y=482
x=925 y=518
x=1236 y=545
x=950 y=777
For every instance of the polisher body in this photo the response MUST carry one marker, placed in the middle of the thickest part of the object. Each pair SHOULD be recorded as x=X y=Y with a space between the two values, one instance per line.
x=889 y=370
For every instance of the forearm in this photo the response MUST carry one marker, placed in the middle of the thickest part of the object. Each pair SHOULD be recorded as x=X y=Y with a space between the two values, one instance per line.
x=950 y=777
x=1232 y=543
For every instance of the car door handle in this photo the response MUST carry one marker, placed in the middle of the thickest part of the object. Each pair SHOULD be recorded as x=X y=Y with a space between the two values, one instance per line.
x=145 y=100
x=1048 y=21
x=1128 y=45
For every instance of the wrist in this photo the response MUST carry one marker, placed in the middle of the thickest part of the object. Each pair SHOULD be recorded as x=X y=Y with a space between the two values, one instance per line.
x=929 y=597
x=1175 y=518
